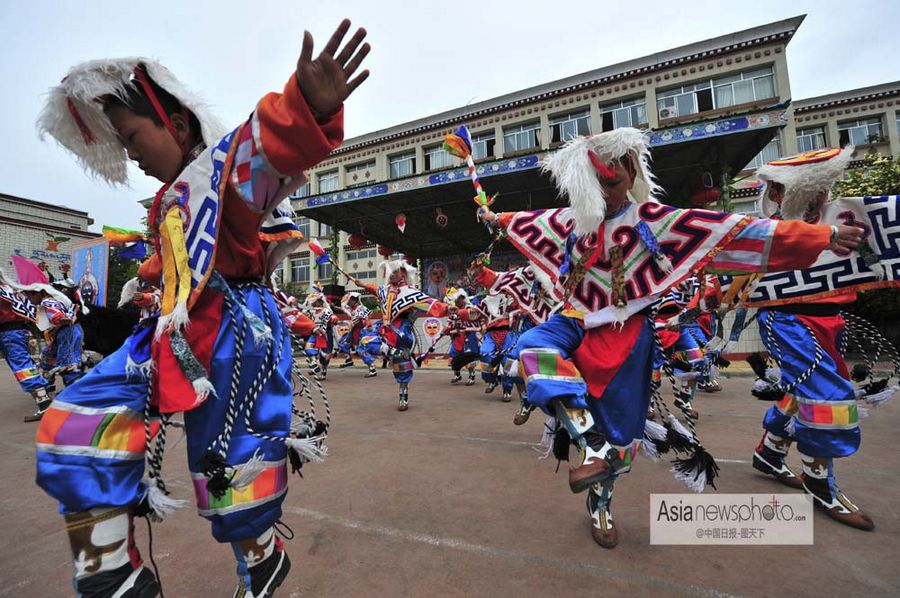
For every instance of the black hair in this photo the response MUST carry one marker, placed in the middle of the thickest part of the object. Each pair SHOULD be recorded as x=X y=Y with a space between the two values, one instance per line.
x=137 y=101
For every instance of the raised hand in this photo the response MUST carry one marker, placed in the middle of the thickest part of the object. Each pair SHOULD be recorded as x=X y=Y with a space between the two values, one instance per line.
x=328 y=80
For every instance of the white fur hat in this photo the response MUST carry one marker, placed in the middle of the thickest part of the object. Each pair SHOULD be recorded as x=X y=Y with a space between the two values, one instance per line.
x=804 y=176
x=388 y=267
x=74 y=114
x=576 y=178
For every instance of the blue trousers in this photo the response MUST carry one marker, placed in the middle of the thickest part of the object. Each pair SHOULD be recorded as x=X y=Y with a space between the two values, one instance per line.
x=91 y=446
x=65 y=353
x=545 y=354
x=14 y=346
x=826 y=423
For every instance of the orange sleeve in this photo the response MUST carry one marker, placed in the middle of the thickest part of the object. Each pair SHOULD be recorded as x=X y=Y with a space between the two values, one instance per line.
x=291 y=139
x=797 y=245
x=486 y=277
x=504 y=218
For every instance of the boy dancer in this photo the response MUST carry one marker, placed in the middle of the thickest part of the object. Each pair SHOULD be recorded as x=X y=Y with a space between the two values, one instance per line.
x=230 y=370
x=610 y=260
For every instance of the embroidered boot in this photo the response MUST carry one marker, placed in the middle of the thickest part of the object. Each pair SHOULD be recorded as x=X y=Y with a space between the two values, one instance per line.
x=471 y=379
x=603 y=531
x=107 y=562
x=372 y=372
x=262 y=565
x=769 y=458
x=43 y=400
x=404 y=397
x=818 y=480
x=524 y=410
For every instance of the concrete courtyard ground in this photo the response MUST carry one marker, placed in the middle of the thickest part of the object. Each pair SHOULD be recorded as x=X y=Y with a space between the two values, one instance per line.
x=450 y=499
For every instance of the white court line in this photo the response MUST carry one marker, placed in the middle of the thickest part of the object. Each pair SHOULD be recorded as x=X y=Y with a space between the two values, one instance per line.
x=509 y=555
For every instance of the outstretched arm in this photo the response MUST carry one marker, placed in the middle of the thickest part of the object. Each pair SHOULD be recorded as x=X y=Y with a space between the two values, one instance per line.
x=293 y=131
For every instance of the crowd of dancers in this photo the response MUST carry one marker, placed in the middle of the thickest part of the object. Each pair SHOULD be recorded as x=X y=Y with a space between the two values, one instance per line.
x=621 y=292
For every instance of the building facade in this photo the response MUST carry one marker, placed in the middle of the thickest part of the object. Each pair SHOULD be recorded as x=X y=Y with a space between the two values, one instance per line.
x=41 y=232
x=868 y=118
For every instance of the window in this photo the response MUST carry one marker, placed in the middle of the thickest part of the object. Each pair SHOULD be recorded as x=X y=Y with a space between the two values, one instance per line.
x=684 y=100
x=299 y=267
x=361 y=258
x=744 y=87
x=325 y=271
x=483 y=146
x=567 y=126
x=861 y=132
x=303 y=224
x=810 y=139
x=360 y=174
x=437 y=157
x=355 y=255
x=628 y=113
x=521 y=137
x=328 y=181
x=325 y=230
x=303 y=191
x=403 y=165
x=772 y=151
x=738 y=88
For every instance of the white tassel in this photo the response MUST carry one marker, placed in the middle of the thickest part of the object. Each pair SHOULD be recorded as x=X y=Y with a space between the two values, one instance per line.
x=773 y=374
x=177 y=319
x=203 y=388
x=128 y=291
x=687 y=376
x=307 y=448
x=679 y=427
x=880 y=270
x=249 y=471
x=140 y=371
x=791 y=426
x=762 y=385
x=654 y=430
x=260 y=335
x=161 y=505
x=648 y=449
x=665 y=263
x=547 y=438
x=880 y=398
x=694 y=482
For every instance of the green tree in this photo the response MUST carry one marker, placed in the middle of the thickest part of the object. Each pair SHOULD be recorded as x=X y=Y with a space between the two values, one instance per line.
x=120 y=272
x=879 y=175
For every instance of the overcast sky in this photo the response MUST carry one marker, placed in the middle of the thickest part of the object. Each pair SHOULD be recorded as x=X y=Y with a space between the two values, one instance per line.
x=426 y=57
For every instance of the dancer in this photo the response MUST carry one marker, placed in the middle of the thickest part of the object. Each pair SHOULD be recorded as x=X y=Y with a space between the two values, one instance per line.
x=361 y=338
x=320 y=344
x=65 y=338
x=818 y=408
x=401 y=303
x=17 y=314
x=610 y=260
x=525 y=300
x=230 y=369
x=463 y=333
